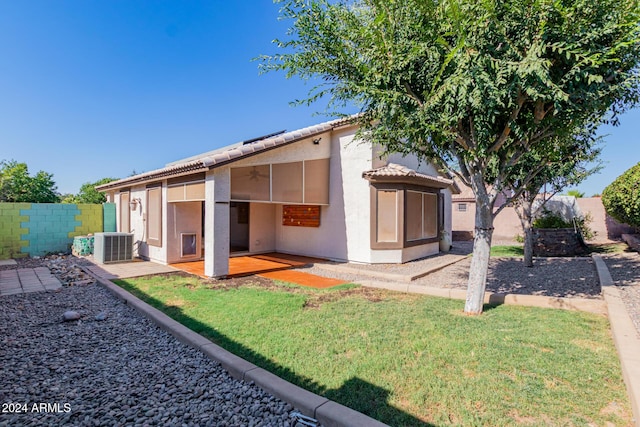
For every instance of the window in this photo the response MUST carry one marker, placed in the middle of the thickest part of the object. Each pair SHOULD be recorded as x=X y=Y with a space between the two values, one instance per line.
x=316 y=181
x=304 y=182
x=387 y=216
x=154 y=216
x=286 y=182
x=403 y=216
x=462 y=207
x=251 y=183
x=190 y=191
x=421 y=215
x=124 y=208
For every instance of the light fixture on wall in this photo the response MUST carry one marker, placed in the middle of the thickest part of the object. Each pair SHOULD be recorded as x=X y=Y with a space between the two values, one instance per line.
x=317 y=141
x=134 y=203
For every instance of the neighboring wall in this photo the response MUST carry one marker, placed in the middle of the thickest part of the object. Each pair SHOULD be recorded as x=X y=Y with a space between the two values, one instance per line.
x=605 y=226
x=35 y=229
x=507 y=225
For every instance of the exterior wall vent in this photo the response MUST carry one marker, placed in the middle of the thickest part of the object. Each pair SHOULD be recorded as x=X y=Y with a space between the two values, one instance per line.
x=113 y=247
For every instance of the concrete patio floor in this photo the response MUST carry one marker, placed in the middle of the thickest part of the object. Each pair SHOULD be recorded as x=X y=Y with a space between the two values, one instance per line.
x=125 y=270
x=252 y=264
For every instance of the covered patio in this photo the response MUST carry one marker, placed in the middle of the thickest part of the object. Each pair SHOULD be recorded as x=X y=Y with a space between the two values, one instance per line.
x=274 y=265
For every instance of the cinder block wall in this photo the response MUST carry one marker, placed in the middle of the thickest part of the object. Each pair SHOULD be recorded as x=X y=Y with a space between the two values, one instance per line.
x=11 y=230
x=36 y=229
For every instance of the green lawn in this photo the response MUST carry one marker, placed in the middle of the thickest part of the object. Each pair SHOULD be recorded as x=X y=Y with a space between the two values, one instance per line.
x=409 y=359
x=507 y=251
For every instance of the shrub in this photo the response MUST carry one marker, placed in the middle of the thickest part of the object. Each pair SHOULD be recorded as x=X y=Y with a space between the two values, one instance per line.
x=550 y=219
x=621 y=198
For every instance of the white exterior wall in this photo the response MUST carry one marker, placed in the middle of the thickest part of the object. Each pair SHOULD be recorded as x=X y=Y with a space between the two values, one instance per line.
x=138 y=224
x=262 y=223
x=216 y=223
x=339 y=236
x=344 y=224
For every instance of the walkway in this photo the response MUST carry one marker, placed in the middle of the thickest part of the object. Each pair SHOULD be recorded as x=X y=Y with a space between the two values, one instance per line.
x=25 y=280
x=128 y=269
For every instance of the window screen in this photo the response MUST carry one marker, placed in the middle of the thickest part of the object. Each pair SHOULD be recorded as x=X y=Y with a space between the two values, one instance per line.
x=125 y=226
x=414 y=215
x=251 y=183
x=387 y=210
x=421 y=215
x=154 y=216
x=287 y=182
x=430 y=215
x=316 y=181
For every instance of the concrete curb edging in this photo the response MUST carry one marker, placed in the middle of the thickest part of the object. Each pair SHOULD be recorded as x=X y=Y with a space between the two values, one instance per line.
x=625 y=335
x=596 y=306
x=327 y=412
x=408 y=278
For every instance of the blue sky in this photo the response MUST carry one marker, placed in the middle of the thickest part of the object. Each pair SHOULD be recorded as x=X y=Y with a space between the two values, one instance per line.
x=90 y=89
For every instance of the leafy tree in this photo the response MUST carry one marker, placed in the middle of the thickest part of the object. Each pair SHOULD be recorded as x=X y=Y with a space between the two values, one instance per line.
x=621 y=198
x=471 y=85
x=16 y=185
x=88 y=193
x=565 y=166
x=575 y=193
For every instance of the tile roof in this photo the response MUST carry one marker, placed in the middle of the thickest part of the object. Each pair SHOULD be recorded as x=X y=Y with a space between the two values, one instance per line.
x=231 y=153
x=396 y=172
x=466 y=193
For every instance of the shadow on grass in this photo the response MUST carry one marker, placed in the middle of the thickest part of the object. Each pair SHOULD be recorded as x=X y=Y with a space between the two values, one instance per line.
x=355 y=393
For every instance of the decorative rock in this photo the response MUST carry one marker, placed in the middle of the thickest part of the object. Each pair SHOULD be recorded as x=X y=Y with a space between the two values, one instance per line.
x=70 y=315
x=130 y=373
x=101 y=316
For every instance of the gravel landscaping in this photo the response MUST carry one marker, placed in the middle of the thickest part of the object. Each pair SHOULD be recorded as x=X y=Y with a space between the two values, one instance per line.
x=553 y=277
x=113 y=367
x=625 y=271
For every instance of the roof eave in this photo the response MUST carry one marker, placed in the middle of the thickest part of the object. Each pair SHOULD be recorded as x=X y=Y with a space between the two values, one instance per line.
x=226 y=157
x=411 y=180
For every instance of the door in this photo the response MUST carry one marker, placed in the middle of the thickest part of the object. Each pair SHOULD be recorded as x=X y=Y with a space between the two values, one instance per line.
x=185 y=232
x=239 y=227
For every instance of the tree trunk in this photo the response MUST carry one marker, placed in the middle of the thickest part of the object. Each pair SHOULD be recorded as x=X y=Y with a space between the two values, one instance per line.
x=481 y=252
x=526 y=219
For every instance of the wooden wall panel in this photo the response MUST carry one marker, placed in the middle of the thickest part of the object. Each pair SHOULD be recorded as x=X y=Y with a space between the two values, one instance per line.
x=301 y=215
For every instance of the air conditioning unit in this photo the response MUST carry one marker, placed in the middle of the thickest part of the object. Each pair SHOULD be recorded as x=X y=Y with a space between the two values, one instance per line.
x=113 y=247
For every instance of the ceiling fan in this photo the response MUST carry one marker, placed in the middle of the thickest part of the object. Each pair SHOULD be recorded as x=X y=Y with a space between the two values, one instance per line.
x=255 y=175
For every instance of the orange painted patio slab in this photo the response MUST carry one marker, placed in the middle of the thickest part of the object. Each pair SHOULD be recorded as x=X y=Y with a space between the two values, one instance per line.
x=303 y=279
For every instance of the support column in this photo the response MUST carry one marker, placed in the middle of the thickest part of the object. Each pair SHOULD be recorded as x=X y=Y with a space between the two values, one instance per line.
x=216 y=223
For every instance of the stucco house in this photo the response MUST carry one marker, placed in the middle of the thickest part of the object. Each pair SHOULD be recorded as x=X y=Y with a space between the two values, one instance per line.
x=315 y=191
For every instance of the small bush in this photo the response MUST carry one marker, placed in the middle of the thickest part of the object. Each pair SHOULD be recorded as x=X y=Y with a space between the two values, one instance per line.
x=621 y=198
x=553 y=220
x=550 y=219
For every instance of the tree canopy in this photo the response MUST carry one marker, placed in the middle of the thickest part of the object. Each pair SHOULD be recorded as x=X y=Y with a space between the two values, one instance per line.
x=621 y=198
x=474 y=86
x=16 y=185
x=88 y=193
x=573 y=161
